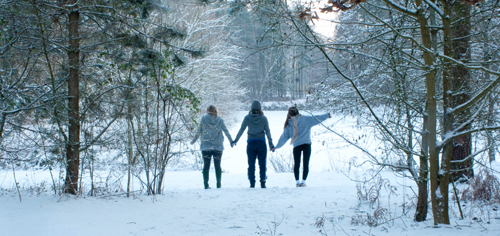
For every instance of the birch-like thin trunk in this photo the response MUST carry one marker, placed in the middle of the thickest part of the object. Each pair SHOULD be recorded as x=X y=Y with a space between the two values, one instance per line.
x=491 y=117
x=130 y=152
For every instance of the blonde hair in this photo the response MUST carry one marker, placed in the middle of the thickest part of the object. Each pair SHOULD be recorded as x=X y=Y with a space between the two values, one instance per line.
x=212 y=110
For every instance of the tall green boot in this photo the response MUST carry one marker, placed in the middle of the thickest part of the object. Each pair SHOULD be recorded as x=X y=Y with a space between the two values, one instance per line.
x=205 y=178
x=218 y=176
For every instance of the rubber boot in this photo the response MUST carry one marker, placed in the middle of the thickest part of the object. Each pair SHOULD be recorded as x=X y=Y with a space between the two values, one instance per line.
x=218 y=176
x=205 y=179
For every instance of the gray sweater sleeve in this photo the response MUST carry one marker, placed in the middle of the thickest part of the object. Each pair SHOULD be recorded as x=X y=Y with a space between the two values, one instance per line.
x=285 y=136
x=314 y=120
x=268 y=133
x=224 y=128
x=242 y=129
x=197 y=135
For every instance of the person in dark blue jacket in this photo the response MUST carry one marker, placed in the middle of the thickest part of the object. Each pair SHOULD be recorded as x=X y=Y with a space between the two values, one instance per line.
x=258 y=129
x=298 y=129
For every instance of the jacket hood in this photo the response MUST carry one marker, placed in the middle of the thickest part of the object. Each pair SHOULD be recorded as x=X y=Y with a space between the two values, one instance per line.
x=256 y=118
x=210 y=119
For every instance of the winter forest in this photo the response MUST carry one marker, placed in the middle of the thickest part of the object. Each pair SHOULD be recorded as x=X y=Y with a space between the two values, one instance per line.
x=100 y=99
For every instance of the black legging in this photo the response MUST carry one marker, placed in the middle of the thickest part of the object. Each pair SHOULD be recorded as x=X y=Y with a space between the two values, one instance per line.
x=306 y=149
x=207 y=157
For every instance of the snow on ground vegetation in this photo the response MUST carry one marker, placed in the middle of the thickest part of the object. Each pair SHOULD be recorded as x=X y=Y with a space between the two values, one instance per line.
x=341 y=198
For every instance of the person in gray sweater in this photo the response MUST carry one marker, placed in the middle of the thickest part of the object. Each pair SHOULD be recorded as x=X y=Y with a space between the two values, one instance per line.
x=258 y=129
x=210 y=130
x=298 y=129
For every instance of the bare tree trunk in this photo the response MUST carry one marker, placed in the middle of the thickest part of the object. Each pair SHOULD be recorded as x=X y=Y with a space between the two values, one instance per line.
x=73 y=145
x=491 y=107
x=461 y=165
x=15 y=181
x=440 y=190
x=2 y=124
x=422 y=183
x=431 y=105
x=130 y=151
x=491 y=117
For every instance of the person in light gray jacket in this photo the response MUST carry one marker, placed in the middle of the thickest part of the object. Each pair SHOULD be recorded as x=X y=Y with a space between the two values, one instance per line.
x=258 y=129
x=298 y=129
x=210 y=131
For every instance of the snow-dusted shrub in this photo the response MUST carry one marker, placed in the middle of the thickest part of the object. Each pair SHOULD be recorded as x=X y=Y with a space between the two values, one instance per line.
x=484 y=187
x=369 y=191
x=38 y=189
x=104 y=184
x=281 y=162
x=378 y=217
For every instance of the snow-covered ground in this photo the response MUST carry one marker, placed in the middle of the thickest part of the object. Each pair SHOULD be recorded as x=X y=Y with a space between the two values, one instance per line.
x=329 y=205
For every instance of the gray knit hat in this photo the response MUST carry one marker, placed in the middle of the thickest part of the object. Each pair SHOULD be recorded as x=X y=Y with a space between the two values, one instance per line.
x=256 y=105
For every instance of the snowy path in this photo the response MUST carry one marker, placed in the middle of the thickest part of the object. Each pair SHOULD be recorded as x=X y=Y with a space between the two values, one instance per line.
x=186 y=209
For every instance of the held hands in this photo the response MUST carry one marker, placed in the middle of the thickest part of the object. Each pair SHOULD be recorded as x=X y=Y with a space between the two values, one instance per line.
x=271 y=147
x=233 y=143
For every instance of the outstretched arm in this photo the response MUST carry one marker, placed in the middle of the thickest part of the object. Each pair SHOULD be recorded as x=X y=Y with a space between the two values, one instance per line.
x=314 y=120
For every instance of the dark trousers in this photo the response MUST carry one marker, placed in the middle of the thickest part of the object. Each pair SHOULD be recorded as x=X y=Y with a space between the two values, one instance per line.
x=257 y=150
x=306 y=149
x=207 y=158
